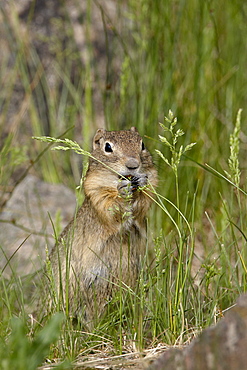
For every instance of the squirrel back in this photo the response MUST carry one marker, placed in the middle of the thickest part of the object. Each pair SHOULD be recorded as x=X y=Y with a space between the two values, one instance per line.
x=102 y=247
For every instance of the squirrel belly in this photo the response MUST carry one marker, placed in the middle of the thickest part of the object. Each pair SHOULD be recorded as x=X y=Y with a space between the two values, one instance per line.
x=103 y=246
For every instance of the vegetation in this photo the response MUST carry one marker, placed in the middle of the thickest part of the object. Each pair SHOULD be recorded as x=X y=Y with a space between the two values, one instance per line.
x=186 y=57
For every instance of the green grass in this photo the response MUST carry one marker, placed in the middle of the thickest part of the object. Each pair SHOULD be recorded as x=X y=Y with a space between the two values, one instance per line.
x=189 y=57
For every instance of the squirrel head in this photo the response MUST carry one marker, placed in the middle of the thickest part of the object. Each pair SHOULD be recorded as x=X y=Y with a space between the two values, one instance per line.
x=123 y=151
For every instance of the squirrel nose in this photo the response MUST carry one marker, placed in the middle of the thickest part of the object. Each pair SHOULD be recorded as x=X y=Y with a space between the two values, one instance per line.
x=132 y=163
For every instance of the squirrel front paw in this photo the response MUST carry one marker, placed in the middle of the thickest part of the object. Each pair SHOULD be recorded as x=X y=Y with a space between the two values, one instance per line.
x=129 y=184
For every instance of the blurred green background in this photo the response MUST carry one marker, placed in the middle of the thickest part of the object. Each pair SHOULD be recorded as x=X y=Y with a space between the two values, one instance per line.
x=68 y=68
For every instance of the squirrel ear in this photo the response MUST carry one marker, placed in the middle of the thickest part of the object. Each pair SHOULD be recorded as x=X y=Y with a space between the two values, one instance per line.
x=96 y=140
x=133 y=129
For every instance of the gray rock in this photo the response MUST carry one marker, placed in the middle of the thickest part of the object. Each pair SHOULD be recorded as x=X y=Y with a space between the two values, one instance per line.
x=222 y=347
x=26 y=227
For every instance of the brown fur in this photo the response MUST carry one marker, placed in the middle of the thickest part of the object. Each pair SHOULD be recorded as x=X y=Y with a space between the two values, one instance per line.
x=106 y=240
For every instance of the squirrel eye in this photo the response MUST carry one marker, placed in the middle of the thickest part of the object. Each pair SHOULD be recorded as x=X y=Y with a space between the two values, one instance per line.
x=143 y=146
x=108 y=148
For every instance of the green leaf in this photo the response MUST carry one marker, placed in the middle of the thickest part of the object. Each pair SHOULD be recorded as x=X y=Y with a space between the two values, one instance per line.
x=189 y=147
x=174 y=121
x=179 y=132
x=164 y=140
x=60 y=147
x=162 y=156
x=163 y=126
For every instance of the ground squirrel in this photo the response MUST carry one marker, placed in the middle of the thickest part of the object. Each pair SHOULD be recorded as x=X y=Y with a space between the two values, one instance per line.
x=102 y=246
